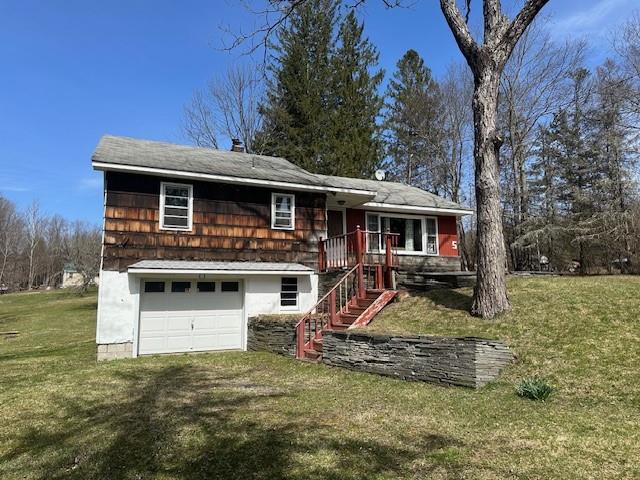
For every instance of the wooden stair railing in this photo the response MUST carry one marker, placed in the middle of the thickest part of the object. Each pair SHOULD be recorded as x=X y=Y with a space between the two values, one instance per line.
x=372 y=249
x=352 y=302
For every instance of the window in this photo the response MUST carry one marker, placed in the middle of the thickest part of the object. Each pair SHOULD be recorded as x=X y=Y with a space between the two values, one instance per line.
x=373 y=226
x=176 y=206
x=153 y=287
x=413 y=234
x=432 y=236
x=206 y=286
x=180 y=287
x=289 y=293
x=283 y=211
x=229 y=286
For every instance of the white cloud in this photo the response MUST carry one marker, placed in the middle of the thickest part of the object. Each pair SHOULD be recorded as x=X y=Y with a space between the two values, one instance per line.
x=596 y=19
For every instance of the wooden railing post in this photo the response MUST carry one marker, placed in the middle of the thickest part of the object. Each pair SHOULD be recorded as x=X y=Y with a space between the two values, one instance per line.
x=361 y=287
x=388 y=261
x=322 y=259
x=359 y=245
x=300 y=340
x=333 y=315
x=379 y=277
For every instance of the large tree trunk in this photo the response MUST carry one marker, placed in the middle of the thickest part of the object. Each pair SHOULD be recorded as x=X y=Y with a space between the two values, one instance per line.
x=490 y=297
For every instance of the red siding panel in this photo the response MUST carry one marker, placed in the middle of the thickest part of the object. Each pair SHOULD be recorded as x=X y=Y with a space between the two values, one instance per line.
x=448 y=237
x=355 y=218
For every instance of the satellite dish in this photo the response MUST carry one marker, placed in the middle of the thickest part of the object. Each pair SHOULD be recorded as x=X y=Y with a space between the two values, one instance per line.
x=380 y=175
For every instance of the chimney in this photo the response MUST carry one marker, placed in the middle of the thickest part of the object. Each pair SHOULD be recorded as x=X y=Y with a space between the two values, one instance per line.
x=236 y=145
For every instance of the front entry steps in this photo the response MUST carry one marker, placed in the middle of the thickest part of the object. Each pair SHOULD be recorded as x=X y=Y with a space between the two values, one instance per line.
x=357 y=313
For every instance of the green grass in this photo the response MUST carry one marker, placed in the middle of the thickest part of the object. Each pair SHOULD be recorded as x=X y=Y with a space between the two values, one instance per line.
x=257 y=415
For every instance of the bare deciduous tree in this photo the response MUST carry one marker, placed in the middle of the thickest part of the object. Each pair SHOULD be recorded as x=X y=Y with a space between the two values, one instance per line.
x=457 y=90
x=487 y=61
x=83 y=251
x=533 y=86
x=627 y=44
x=229 y=106
x=199 y=124
x=34 y=226
x=10 y=233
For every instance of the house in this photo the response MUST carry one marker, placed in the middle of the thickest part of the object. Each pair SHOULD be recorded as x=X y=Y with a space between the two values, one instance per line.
x=72 y=278
x=198 y=240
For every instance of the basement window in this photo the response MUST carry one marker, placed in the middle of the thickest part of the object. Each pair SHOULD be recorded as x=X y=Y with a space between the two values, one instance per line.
x=289 y=293
x=283 y=208
x=176 y=206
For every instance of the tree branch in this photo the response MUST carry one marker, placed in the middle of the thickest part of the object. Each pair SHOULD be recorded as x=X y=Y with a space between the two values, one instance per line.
x=519 y=24
x=458 y=26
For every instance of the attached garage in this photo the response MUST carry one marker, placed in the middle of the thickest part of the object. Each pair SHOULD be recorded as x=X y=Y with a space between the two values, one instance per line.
x=189 y=315
x=196 y=306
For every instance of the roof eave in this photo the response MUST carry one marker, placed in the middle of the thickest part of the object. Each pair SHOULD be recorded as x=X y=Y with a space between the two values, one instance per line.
x=115 y=167
x=195 y=271
x=392 y=207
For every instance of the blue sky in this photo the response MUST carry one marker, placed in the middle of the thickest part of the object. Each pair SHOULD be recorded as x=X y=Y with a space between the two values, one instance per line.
x=74 y=70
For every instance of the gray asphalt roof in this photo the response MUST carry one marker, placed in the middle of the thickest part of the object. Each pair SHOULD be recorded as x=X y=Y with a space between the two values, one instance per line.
x=204 y=265
x=144 y=153
x=392 y=192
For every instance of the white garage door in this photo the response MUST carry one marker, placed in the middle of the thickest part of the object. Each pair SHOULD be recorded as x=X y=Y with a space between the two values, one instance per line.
x=190 y=316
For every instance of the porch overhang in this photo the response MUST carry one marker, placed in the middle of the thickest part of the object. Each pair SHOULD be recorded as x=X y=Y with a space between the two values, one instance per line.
x=391 y=207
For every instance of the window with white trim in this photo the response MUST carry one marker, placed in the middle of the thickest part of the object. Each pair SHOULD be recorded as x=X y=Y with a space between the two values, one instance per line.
x=289 y=293
x=283 y=211
x=414 y=234
x=176 y=206
x=432 y=236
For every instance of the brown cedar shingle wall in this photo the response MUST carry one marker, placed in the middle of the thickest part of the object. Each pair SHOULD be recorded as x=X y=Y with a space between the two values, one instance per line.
x=230 y=223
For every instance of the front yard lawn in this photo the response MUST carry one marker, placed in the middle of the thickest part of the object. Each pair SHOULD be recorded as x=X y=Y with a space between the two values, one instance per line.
x=258 y=415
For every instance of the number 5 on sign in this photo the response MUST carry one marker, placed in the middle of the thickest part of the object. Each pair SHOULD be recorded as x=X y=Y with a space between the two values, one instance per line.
x=454 y=245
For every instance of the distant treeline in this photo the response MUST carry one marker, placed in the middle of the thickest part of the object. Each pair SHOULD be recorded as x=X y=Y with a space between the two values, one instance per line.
x=35 y=248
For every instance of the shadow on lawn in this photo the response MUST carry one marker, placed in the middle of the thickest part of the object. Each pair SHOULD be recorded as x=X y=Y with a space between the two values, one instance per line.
x=188 y=422
x=450 y=298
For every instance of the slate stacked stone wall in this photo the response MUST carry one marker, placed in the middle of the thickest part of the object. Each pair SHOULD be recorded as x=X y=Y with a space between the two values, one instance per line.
x=327 y=280
x=470 y=362
x=272 y=335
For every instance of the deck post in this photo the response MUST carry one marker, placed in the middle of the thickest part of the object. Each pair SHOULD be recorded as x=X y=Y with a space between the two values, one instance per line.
x=333 y=315
x=300 y=340
x=388 y=261
x=321 y=256
x=359 y=246
x=361 y=287
x=379 y=277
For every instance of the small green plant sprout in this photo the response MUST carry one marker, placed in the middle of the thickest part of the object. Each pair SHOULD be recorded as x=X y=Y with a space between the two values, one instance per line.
x=534 y=388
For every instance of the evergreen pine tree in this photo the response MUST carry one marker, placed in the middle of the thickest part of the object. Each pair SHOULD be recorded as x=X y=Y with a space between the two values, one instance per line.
x=296 y=112
x=413 y=124
x=354 y=142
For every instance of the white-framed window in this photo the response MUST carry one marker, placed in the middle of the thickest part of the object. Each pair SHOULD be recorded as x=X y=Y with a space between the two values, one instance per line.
x=415 y=235
x=289 y=293
x=283 y=211
x=432 y=235
x=176 y=206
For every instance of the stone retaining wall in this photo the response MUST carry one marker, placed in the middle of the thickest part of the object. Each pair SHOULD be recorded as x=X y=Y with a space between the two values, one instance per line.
x=276 y=335
x=467 y=361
